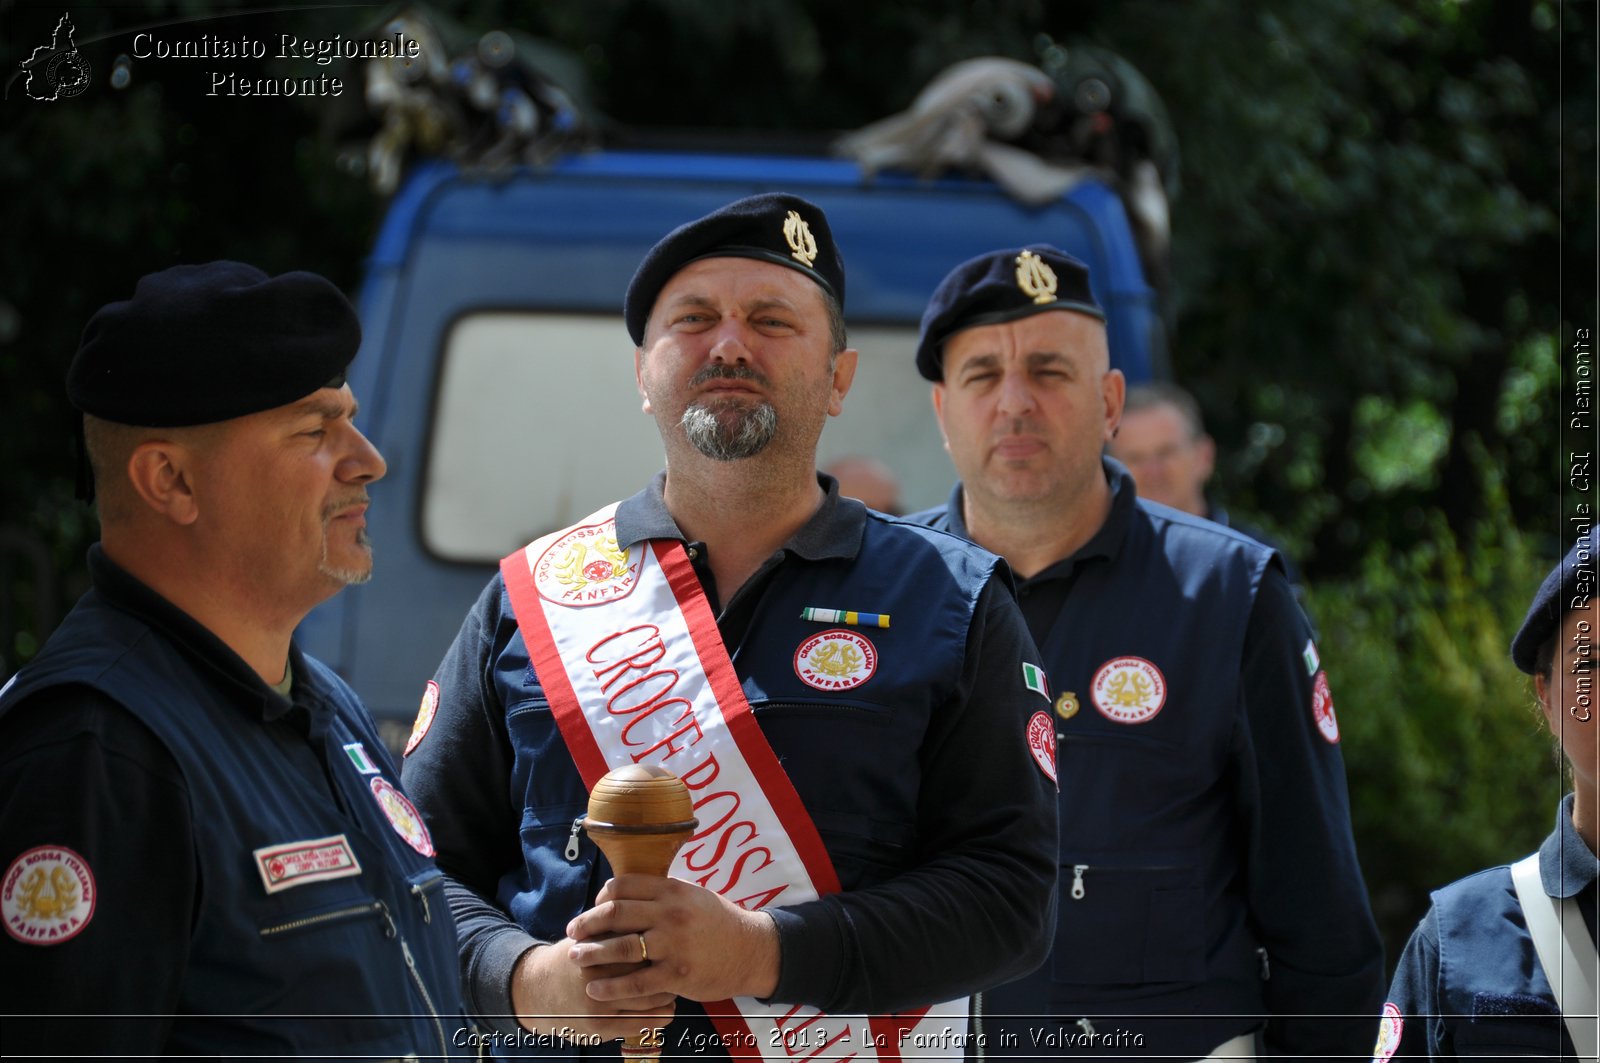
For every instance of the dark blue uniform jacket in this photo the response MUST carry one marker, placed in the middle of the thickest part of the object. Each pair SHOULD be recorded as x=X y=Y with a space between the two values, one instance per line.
x=940 y=824
x=1469 y=982
x=143 y=745
x=1208 y=874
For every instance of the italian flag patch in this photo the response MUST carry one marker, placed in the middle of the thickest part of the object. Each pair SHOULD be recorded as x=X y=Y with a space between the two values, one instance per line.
x=358 y=756
x=1033 y=678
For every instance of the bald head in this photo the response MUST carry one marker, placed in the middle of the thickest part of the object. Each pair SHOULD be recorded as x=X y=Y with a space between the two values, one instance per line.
x=869 y=480
x=1164 y=445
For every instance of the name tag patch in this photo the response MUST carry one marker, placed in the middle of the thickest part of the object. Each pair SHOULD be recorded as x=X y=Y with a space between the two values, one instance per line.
x=298 y=863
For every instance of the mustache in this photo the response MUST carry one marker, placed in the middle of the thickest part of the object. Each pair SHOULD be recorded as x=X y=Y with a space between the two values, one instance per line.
x=332 y=508
x=1022 y=426
x=727 y=372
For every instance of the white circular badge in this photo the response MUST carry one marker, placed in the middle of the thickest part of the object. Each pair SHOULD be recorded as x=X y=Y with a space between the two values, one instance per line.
x=836 y=660
x=403 y=816
x=425 y=713
x=48 y=896
x=1322 y=708
x=1128 y=690
x=1390 y=1028
x=1042 y=744
x=586 y=567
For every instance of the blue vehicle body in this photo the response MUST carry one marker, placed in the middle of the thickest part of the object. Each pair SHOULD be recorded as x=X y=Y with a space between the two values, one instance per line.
x=493 y=306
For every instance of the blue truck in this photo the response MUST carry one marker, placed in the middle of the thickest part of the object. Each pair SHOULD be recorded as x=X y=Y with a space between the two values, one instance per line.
x=496 y=376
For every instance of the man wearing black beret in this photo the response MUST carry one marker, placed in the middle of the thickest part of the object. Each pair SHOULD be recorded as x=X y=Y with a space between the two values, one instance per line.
x=851 y=701
x=205 y=846
x=1211 y=901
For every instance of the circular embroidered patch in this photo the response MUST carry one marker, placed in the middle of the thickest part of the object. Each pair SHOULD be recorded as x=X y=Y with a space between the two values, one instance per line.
x=1067 y=705
x=1389 y=1029
x=587 y=567
x=1128 y=690
x=1042 y=744
x=835 y=660
x=425 y=711
x=47 y=896
x=1322 y=709
x=403 y=816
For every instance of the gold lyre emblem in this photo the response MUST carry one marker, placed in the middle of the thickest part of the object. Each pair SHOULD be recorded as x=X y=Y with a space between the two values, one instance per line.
x=837 y=659
x=1130 y=690
x=1035 y=277
x=802 y=245
x=54 y=901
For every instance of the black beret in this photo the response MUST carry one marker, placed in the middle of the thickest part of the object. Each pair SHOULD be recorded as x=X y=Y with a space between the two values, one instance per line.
x=1001 y=286
x=773 y=227
x=1568 y=586
x=207 y=343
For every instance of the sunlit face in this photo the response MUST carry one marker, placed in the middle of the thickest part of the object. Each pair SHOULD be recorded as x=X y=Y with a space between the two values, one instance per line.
x=1026 y=406
x=737 y=359
x=1569 y=697
x=282 y=497
x=1169 y=465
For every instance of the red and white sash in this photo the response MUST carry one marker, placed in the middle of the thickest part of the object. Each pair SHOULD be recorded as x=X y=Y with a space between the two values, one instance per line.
x=629 y=655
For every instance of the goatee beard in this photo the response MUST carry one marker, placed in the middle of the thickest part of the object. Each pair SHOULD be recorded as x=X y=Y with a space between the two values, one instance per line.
x=732 y=432
x=348 y=576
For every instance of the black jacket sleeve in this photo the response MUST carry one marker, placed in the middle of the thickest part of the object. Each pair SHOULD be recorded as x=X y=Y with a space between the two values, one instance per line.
x=457 y=776
x=1308 y=903
x=78 y=772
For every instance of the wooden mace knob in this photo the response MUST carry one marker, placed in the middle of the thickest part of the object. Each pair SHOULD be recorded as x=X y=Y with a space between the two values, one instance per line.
x=640 y=816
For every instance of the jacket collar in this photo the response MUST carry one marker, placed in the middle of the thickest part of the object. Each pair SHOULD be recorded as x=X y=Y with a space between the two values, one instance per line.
x=834 y=530
x=121 y=590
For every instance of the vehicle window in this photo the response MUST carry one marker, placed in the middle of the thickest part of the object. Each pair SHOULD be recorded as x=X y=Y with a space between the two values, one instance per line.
x=537 y=423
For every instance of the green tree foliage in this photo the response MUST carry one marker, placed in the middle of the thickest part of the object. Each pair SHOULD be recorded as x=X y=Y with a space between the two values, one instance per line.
x=102 y=188
x=1450 y=765
x=1369 y=251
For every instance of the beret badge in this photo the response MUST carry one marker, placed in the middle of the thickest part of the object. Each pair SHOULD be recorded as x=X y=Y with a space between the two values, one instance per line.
x=774 y=227
x=802 y=245
x=1036 y=279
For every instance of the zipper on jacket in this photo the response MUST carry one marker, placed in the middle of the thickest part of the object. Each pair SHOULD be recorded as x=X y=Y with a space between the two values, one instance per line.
x=325 y=917
x=421 y=895
x=393 y=932
x=1077 y=890
x=977 y=1028
x=390 y=931
x=572 y=840
x=820 y=706
x=433 y=1012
